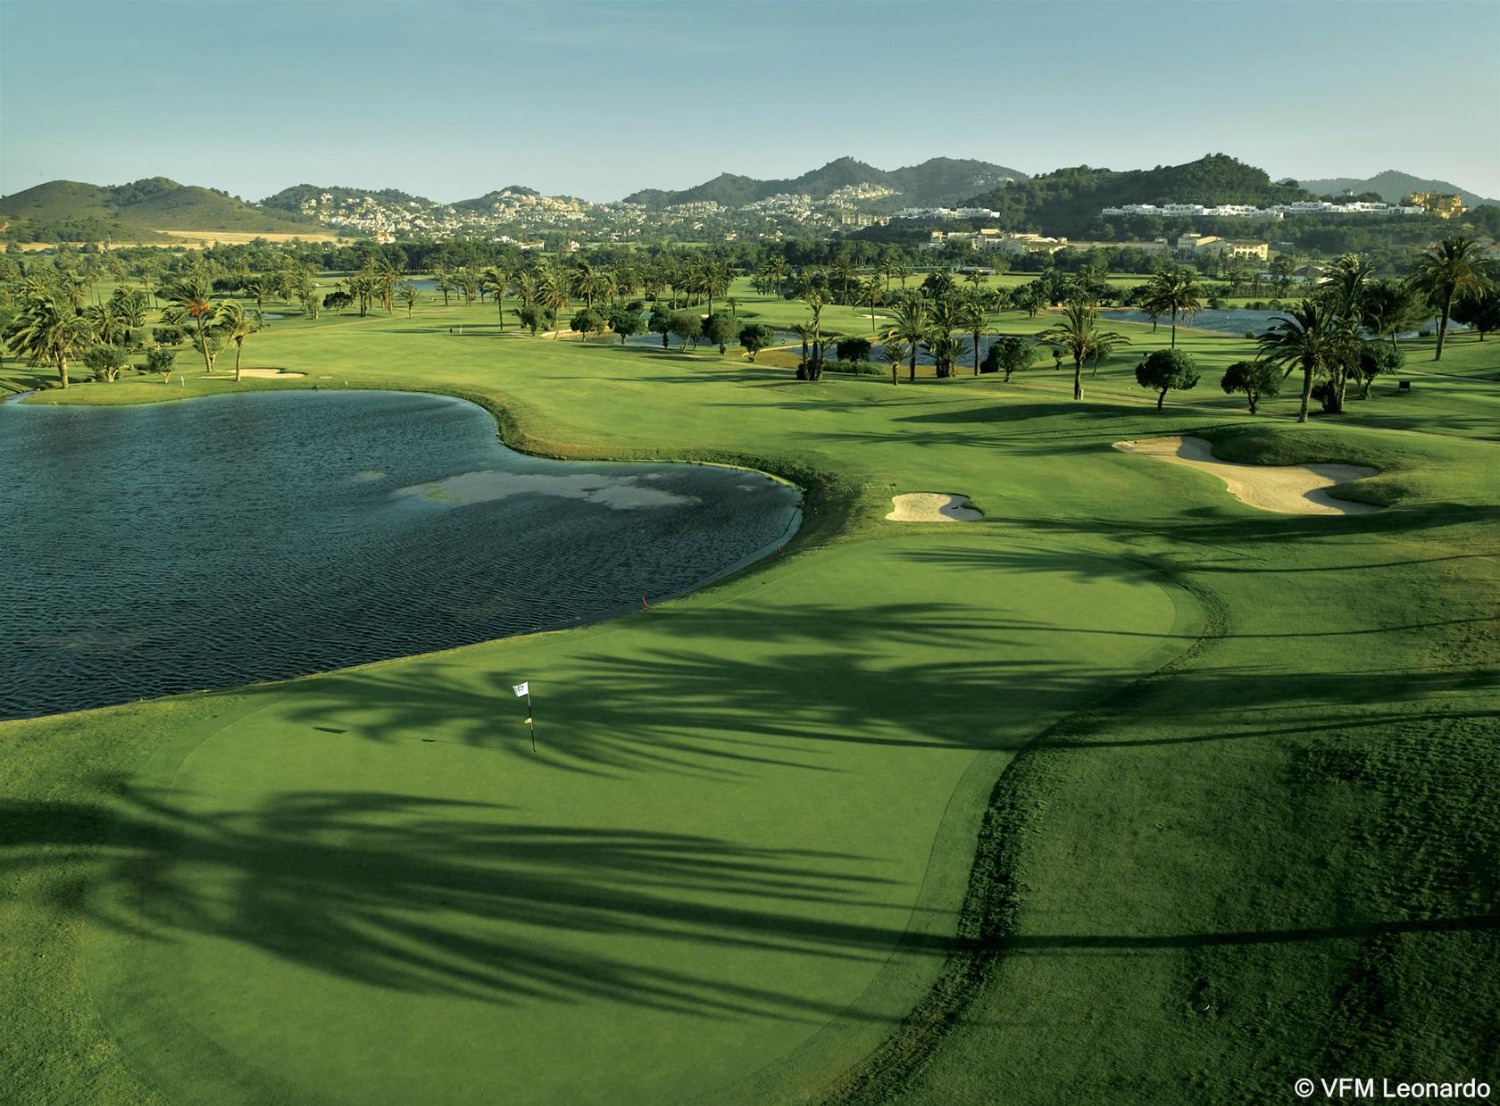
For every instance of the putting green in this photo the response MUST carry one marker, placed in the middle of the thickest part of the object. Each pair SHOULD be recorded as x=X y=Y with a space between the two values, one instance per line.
x=716 y=875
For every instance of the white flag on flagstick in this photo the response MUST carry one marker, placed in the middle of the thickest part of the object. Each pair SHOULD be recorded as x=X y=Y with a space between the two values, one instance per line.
x=522 y=689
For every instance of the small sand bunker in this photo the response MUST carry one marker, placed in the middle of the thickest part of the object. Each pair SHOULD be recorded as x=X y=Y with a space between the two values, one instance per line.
x=1288 y=490
x=932 y=507
x=268 y=372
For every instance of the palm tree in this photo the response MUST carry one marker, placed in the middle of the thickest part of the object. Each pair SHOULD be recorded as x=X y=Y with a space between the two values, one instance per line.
x=384 y=279
x=363 y=290
x=45 y=330
x=713 y=279
x=1345 y=285
x=189 y=300
x=1080 y=335
x=105 y=321
x=585 y=282
x=895 y=351
x=1306 y=338
x=236 y=326
x=872 y=293
x=946 y=348
x=496 y=280
x=1454 y=267
x=909 y=324
x=944 y=317
x=407 y=293
x=975 y=320
x=552 y=292
x=813 y=297
x=1172 y=292
x=801 y=330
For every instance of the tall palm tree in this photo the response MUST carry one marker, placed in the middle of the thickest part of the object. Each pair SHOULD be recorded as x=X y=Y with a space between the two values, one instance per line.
x=585 y=282
x=713 y=280
x=189 y=299
x=803 y=332
x=496 y=280
x=909 y=324
x=552 y=292
x=813 y=297
x=105 y=321
x=1079 y=334
x=975 y=320
x=236 y=325
x=384 y=279
x=1308 y=338
x=1453 y=268
x=1346 y=284
x=49 y=331
x=872 y=293
x=943 y=318
x=1172 y=292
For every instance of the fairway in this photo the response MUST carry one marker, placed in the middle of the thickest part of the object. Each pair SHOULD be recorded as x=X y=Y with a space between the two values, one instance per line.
x=906 y=812
x=368 y=888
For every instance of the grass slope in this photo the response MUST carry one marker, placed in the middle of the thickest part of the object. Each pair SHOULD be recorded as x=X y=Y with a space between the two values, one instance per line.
x=1241 y=831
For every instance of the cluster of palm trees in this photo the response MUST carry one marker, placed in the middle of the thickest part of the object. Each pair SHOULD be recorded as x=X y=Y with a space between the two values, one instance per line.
x=933 y=317
x=46 y=324
x=1325 y=334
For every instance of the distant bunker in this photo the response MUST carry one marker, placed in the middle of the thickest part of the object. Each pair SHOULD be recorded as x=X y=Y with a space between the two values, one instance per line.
x=932 y=507
x=1288 y=490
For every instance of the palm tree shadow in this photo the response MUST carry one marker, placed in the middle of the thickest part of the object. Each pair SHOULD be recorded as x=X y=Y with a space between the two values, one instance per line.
x=459 y=898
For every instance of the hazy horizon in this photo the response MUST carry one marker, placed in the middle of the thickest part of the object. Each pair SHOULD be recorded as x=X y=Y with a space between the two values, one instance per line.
x=599 y=100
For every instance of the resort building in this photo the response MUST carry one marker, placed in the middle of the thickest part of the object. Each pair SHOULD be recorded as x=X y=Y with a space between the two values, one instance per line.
x=1444 y=205
x=1202 y=244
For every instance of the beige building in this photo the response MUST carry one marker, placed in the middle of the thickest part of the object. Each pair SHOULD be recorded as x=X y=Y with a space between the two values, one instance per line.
x=1229 y=247
x=1442 y=204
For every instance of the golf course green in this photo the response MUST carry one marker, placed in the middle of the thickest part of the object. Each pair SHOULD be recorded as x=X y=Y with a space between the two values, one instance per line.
x=1125 y=792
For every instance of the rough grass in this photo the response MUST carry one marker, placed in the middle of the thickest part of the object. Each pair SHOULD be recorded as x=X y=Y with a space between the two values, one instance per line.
x=744 y=867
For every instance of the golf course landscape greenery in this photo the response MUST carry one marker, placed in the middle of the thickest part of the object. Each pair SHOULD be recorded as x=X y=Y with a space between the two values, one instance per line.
x=1126 y=792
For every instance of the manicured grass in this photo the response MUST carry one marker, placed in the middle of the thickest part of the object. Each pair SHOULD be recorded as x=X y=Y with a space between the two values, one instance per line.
x=743 y=848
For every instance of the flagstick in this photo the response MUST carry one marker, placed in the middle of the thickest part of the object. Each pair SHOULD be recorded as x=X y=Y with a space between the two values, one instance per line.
x=530 y=718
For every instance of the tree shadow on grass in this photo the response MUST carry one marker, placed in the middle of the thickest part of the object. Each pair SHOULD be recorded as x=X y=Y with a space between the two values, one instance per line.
x=725 y=691
x=458 y=898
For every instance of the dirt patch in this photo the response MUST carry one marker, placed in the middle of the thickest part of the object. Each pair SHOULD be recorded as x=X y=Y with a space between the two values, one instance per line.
x=1288 y=490
x=932 y=507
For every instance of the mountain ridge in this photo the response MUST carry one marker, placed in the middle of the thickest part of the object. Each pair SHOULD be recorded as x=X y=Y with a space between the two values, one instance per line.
x=935 y=182
x=1393 y=186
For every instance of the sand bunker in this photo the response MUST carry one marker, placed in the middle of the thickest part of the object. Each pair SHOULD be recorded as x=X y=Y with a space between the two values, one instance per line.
x=932 y=507
x=268 y=372
x=1288 y=490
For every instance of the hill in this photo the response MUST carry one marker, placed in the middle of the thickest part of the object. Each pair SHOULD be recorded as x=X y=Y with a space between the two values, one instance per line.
x=297 y=198
x=1067 y=201
x=938 y=182
x=141 y=211
x=1393 y=186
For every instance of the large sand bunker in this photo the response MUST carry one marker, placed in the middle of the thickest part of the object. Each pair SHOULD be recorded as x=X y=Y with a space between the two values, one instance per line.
x=1289 y=490
x=932 y=507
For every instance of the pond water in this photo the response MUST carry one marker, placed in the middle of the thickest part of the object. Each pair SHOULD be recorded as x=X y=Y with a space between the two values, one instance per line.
x=210 y=543
x=1237 y=321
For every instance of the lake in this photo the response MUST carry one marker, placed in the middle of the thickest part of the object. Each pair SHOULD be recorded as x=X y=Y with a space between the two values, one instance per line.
x=213 y=542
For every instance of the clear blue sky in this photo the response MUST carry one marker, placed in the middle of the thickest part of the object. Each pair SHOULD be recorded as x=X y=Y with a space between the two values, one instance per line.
x=451 y=100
